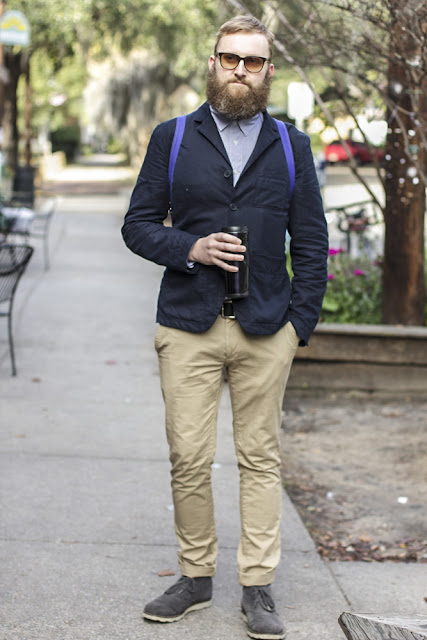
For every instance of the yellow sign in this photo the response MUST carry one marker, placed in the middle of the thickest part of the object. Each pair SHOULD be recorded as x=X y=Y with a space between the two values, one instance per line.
x=14 y=29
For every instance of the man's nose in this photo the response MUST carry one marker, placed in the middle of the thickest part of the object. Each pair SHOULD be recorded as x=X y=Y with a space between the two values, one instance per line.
x=240 y=70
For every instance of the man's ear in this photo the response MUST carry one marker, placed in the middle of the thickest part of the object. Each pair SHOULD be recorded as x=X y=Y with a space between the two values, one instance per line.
x=211 y=62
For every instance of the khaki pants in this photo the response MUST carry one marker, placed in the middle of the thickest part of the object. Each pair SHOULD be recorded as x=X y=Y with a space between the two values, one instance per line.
x=191 y=368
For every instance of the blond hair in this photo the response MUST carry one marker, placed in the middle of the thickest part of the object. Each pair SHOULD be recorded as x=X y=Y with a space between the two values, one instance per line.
x=248 y=24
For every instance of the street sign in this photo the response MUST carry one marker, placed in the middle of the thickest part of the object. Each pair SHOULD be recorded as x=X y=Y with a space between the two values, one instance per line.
x=14 y=29
x=300 y=102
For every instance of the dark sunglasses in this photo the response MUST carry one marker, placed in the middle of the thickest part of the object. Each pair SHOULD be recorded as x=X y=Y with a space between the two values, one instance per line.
x=230 y=61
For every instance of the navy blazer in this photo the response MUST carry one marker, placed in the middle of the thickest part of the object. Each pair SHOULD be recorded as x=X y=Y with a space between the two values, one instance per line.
x=204 y=200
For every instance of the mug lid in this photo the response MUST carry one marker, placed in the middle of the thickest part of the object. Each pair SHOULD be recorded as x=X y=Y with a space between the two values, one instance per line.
x=235 y=229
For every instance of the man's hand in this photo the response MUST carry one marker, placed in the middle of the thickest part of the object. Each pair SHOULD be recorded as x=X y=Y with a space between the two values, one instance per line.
x=216 y=249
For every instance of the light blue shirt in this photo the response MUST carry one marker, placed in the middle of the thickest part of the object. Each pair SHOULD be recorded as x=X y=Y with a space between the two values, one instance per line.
x=239 y=138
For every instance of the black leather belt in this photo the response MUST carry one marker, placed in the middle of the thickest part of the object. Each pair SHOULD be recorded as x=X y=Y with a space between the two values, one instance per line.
x=227 y=309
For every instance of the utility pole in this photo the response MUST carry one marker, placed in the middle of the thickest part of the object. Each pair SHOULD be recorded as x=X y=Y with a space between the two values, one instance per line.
x=28 y=112
x=2 y=73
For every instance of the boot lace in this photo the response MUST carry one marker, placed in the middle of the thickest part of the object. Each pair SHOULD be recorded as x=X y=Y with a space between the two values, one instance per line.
x=264 y=598
x=184 y=584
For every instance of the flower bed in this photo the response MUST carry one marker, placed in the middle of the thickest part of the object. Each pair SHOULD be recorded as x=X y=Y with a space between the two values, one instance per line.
x=353 y=293
x=354 y=290
x=350 y=351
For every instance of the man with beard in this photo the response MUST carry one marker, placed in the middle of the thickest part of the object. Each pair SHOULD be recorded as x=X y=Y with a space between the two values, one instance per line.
x=231 y=170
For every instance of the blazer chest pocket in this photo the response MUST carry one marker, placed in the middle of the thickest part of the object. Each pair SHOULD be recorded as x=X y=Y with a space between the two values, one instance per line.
x=270 y=193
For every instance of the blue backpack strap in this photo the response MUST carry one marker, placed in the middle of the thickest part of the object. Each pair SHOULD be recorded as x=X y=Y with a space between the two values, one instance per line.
x=176 y=143
x=287 y=147
x=284 y=135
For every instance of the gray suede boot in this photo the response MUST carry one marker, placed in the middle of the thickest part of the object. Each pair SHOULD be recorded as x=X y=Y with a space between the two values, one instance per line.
x=188 y=594
x=259 y=612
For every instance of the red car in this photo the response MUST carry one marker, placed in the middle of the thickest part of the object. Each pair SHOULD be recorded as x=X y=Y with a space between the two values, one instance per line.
x=335 y=152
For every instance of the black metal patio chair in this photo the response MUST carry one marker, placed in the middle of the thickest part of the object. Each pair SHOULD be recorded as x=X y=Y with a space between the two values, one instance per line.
x=35 y=226
x=13 y=262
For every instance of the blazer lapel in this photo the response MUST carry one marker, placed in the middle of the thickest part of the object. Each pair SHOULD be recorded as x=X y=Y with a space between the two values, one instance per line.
x=208 y=129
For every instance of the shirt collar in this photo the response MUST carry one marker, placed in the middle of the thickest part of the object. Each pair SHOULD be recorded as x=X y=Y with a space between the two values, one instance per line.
x=245 y=124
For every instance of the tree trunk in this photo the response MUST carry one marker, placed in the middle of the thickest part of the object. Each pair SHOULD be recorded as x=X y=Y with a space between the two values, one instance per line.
x=10 y=115
x=28 y=111
x=403 y=275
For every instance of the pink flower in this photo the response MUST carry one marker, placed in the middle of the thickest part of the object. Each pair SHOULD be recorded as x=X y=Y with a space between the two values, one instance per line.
x=358 y=272
x=331 y=276
x=334 y=252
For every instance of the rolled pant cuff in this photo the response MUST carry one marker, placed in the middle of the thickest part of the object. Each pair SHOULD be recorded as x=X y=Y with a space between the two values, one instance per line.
x=257 y=580
x=196 y=572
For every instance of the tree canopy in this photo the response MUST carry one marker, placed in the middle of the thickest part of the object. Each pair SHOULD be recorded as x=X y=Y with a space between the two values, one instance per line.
x=68 y=36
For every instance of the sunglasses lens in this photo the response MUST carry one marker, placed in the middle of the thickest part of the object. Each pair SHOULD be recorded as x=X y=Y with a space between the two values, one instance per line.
x=229 y=60
x=254 y=64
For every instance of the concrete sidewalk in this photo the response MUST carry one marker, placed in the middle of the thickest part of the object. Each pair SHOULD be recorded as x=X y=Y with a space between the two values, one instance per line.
x=87 y=521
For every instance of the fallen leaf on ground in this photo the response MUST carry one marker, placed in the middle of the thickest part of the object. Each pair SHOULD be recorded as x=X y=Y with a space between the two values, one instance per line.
x=165 y=572
x=364 y=538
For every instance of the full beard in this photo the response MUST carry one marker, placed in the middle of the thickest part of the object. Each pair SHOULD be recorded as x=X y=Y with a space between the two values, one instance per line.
x=240 y=105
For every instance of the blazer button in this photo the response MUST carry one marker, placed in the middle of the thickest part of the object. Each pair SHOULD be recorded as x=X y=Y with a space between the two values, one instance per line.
x=227 y=174
x=233 y=206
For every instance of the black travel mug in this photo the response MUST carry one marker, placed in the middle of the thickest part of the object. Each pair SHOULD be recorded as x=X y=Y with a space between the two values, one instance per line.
x=237 y=283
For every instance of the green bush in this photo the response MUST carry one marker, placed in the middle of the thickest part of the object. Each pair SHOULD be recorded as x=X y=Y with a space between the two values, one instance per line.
x=66 y=139
x=353 y=294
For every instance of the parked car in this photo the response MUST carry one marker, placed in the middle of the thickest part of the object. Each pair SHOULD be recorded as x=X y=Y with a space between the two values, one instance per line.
x=335 y=152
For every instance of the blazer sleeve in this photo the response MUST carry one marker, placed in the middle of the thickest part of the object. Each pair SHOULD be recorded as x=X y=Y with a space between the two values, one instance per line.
x=143 y=230
x=309 y=243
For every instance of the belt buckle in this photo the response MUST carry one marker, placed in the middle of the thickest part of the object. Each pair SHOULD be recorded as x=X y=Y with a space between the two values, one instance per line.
x=224 y=304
